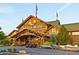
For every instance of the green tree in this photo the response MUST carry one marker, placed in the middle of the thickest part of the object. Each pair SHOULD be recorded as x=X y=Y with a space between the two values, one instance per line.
x=5 y=42
x=9 y=40
x=2 y=35
x=3 y=38
x=0 y=28
x=63 y=36
x=52 y=39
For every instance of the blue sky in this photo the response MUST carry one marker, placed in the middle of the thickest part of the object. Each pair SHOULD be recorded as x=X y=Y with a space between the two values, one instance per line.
x=12 y=14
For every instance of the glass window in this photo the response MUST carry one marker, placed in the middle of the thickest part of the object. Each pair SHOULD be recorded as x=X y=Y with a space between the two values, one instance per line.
x=75 y=33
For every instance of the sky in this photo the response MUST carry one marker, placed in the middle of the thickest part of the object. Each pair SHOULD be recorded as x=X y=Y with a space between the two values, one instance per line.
x=11 y=14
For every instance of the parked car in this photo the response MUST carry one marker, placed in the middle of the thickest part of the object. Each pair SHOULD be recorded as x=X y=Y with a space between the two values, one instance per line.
x=55 y=47
x=71 y=46
x=31 y=46
x=46 y=46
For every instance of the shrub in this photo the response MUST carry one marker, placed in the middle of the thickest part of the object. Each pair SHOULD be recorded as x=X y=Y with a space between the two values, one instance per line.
x=63 y=36
x=3 y=51
x=9 y=50
x=13 y=50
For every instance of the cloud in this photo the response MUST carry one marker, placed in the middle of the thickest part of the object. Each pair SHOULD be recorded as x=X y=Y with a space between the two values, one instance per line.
x=6 y=9
x=63 y=7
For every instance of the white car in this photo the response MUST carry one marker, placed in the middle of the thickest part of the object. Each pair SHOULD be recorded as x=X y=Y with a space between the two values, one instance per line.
x=71 y=46
x=46 y=46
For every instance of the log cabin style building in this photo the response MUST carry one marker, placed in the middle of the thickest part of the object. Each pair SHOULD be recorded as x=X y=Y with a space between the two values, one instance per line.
x=73 y=30
x=34 y=31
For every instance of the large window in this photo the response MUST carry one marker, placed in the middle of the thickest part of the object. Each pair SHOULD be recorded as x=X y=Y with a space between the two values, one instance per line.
x=75 y=33
x=40 y=26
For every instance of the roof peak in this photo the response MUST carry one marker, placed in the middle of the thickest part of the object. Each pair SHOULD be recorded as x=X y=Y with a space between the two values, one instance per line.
x=31 y=16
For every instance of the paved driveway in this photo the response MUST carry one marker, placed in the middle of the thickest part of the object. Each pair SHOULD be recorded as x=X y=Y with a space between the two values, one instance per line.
x=38 y=51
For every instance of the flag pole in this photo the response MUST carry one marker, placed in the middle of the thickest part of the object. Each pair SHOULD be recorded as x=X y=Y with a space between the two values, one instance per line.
x=57 y=18
x=36 y=10
x=56 y=15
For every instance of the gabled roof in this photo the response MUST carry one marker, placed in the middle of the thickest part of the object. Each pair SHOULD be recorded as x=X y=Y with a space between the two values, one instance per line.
x=28 y=19
x=33 y=32
x=12 y=32
x=72 y=26
x=49 y=28
x=55 y=23
x=24 y=21
x=69 y=27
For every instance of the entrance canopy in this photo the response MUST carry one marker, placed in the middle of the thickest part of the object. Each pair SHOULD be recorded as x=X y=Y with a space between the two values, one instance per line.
x=25 y=36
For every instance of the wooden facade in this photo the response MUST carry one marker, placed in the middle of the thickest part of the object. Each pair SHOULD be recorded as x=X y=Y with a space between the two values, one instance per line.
x=52 y=31
x=73 y=30
x=32 y=31
x=74 y=35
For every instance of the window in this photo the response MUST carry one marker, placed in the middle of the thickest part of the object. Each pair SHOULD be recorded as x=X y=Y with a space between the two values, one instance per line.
x=39 y=26
x=75 y=33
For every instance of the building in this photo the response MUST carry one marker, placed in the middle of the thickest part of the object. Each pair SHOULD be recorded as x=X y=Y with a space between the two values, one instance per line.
x=33 y=31
x=73 y=30
x=11 y=34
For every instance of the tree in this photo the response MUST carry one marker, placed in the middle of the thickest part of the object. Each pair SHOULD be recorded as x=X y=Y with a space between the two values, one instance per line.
x=52 y=39
x=4 y=42
x=0 y=28
x=9 y=41
x=2 y=35
x=3 y=38
x=63 y=36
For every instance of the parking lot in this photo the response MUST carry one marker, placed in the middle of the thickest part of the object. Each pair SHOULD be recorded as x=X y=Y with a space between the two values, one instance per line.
x=38 y=51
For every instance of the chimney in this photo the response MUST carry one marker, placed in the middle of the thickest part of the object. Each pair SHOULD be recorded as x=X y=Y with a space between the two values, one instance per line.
x=57 y=18
x=58 y=21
